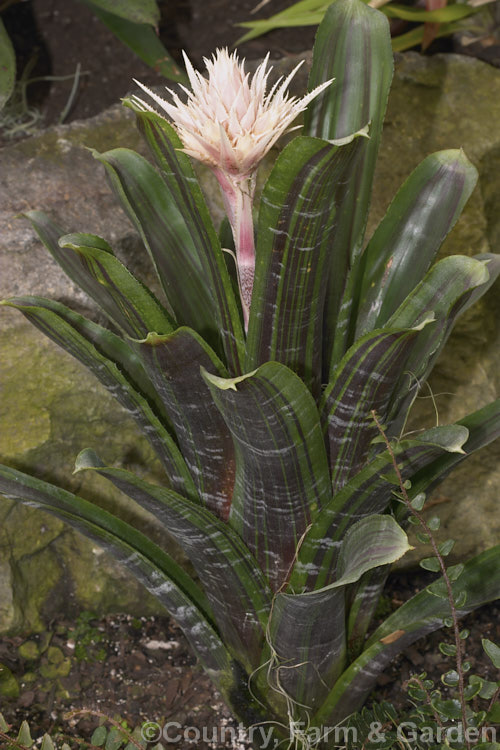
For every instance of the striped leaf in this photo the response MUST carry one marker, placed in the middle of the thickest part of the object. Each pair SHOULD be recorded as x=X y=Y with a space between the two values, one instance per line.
x=353 y=45
x=116 y=366
x=368 y=492
x=364 y=380
x=282 y=474
x=173 y=364
x=421 y=615
x=236 y=588
x=89 y=262
x=450 y=287
x=483 y=427
x=165 y=146
x=406 y=241
x=308 y=630
x=169 y=213
x=308 y=640
x=161 y=575
x=362 y=606
x=296 y=229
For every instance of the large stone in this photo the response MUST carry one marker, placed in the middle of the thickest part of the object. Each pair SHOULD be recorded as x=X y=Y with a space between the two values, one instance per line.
x=52 y=408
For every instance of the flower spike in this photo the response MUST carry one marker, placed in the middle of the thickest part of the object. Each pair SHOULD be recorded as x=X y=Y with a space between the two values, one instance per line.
x=229 y=123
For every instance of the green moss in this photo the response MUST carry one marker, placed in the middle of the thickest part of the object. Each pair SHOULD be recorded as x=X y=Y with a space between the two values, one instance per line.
x=29 y=651
x=9 y=687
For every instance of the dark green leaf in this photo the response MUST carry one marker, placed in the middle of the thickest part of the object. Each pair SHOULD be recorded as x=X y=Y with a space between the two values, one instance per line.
x=363 y=381
x=163 y=577
x=178 y=250
x=313 y=654
x=114 y=740
x=446 y=547
x=374 y=541
x=297 y=224
x=434 y=523
x=483 y=427
x=137 y=11
x=419 y=616
x=398 y=256
x=126 y=300
x=450 y=709
x=447 y=290
x=448 y=649
x=89 y=262
x=353 y=45
x=438 y=588
x=282 y=476
x=418 y=501
x=308 y=637
x=363 y=606
x=140 y=37
x=236 y=589
x=430 y=563
x=422 y=538
x=99 y=736
x=488 y=689
x=493 y=716
x=455 y=571
x=116 y=366
x=173 y=364
x=165 y=146
x=366 y=493
x=451 y=678
x=493 y=651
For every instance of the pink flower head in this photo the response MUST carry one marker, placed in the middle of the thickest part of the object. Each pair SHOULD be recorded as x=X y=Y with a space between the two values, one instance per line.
x=228 y=121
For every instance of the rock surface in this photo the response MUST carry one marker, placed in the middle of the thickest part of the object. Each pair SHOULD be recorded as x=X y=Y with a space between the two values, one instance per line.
x=52 y=408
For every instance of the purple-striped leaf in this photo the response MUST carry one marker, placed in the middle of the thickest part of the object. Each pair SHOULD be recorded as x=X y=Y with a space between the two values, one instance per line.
x=483 y=427
x=422 y=614
x=117 y=367
x=282 y=476
x=308 y=630
x=161 y=575
x=450 y=287
x=235 y=586
x=353 y=46
x=173 y=363
x=89 y=261
x=166 y=148
x=368 y=492
x=407 y=239
x=295 y=240
x=364 y=380
x=168 y=211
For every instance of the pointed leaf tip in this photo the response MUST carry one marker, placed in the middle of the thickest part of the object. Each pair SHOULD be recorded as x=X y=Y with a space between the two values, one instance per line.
x=224 y=384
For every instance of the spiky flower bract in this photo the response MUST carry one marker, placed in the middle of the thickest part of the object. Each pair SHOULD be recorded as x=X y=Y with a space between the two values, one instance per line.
x=229 y=122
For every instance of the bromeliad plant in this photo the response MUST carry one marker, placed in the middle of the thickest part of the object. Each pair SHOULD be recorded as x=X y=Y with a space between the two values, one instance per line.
x=259 y=396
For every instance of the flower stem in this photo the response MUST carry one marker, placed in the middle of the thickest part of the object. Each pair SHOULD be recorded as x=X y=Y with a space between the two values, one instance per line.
x=238 y=195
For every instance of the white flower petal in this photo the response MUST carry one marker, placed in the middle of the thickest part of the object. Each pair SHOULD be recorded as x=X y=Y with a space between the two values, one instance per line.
x=228 y=121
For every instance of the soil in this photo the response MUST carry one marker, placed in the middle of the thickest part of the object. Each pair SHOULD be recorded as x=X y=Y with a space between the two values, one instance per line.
x=142 y=670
